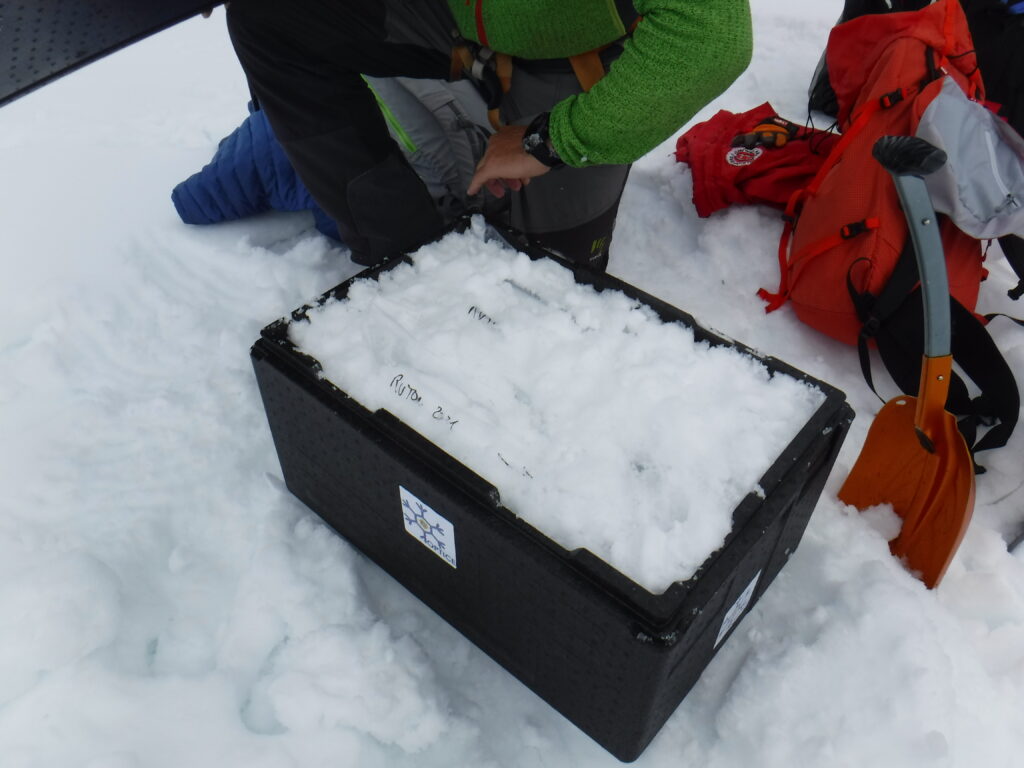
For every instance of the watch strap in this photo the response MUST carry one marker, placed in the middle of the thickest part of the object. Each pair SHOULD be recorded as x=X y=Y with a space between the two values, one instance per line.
x=537 y=142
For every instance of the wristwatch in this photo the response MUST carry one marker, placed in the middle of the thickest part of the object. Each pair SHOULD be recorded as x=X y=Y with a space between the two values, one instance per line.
x=537 y=142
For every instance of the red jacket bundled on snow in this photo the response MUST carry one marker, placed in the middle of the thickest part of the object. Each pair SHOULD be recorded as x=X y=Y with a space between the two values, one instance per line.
x=725 y=175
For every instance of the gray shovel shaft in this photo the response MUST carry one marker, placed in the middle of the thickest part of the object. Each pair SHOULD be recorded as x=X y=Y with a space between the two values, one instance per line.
x=931 y=262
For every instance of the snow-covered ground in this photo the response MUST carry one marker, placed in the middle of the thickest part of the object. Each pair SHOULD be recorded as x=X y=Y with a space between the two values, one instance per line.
x=165 y=602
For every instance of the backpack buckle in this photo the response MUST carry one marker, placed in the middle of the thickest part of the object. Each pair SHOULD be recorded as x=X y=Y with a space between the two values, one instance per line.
x=891 y=99
x=848 y=231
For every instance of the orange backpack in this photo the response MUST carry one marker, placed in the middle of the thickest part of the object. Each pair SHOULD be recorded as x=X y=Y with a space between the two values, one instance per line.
x=845 y=254
x=847 y=222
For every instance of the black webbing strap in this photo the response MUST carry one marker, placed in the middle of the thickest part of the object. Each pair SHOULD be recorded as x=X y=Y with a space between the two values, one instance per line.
x=900 y=344
x=627 y=12
x=978 y=356
x=1013 y=250
x=895 y=320
x=992 y=315
x=874 y=310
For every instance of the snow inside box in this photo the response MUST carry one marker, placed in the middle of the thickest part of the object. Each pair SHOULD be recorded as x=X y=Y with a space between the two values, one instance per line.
x=579 y=478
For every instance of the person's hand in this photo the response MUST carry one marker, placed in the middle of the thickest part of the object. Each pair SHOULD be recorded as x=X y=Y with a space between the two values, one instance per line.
x=506 y=164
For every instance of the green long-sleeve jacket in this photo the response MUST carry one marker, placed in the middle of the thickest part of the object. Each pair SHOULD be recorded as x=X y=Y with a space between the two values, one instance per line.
x=681 y=55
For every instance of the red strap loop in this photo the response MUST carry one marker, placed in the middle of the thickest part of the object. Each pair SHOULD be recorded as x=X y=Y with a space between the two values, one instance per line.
x=846 y=232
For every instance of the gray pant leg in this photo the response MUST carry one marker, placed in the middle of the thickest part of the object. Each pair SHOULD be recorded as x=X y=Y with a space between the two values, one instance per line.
x=441 y=129
x=568 y=210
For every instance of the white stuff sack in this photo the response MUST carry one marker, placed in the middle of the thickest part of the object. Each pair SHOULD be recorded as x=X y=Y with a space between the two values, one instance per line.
x=981 y=186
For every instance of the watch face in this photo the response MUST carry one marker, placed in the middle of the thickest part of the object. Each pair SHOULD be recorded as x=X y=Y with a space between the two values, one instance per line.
x=537 y=143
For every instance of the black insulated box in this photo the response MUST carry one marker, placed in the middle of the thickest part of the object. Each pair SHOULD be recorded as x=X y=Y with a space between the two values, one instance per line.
x=613 y=658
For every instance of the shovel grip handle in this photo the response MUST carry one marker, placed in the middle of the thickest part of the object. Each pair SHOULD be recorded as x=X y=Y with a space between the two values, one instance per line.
x=908 y=155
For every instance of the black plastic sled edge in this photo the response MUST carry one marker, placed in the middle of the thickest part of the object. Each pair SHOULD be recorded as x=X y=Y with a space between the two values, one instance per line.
x=42 y=40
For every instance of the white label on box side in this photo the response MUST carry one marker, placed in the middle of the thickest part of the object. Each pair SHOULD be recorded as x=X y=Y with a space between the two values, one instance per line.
x=429 y=528
x=737 y=609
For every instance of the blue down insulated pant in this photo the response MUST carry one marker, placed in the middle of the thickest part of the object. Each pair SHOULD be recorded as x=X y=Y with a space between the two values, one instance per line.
x=249 y=174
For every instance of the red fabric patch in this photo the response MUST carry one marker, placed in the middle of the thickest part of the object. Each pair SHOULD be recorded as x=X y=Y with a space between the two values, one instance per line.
x=724 y=175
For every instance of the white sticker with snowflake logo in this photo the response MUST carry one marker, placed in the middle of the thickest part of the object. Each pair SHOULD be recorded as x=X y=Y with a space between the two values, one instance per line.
x=429 y=528
x=737 y=609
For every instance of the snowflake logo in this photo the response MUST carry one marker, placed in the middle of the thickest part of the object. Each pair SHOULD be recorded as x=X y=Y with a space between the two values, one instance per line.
x=417 y=518
x=433 y=531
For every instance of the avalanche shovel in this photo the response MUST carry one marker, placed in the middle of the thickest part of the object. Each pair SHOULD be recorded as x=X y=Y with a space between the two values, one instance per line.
x=914 y=457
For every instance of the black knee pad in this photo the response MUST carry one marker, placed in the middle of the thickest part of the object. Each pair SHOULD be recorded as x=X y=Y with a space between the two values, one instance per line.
x=391 y=211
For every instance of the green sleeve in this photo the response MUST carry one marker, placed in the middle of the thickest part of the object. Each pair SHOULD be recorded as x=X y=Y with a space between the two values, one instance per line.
x=682 y=54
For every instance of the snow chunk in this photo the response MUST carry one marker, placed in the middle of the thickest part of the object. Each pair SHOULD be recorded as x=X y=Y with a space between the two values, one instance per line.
x=52 y=615
x=337 y=678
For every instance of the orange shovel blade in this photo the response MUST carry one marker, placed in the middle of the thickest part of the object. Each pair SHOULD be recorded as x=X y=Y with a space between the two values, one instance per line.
x=931 y=490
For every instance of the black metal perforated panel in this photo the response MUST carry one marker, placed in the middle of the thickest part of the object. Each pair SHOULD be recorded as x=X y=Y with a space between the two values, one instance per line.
x=40 y=40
